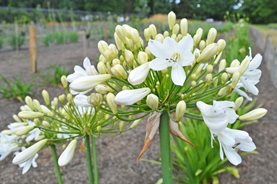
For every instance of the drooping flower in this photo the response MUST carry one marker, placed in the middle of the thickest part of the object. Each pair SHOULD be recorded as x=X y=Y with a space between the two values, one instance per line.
x=132 y=96
x=218 y=115
x=250 y=78
x=26 y=166
x=84 y=79
x=231 y=141
x=8 y=144
x=172 y=54
x=68 y=153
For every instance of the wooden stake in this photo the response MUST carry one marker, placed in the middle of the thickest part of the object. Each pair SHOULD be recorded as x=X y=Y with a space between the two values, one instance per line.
x=33 y=47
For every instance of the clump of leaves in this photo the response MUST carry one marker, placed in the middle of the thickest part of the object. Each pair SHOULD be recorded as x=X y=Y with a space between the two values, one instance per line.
x=60 y=38
x=56 y=74
x=16 y=89
x=16 y=41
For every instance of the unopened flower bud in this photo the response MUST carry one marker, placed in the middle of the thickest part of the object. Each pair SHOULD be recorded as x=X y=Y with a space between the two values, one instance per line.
x=46 y=97
x=64 y=81
x=16 y=118
x=211 y=36
x=102 y=68
x=175 y=29
x=118 y=42
x=69 y=97
x=253 y=115
x=36 y=105
x=221 y=45
x=142 y=57
x=102 y=89
x=152 y=101
x=244 y=65
x=235 y=63
x=29 y=102
x=119 y=71
x=24 y=130
x=197 y=36
x=159 y=37
x=68 y=153
x=224 y=77
x=202 y=45
x=238 y=102
x=208 y=52
x=110 y=100
x=153 y=30
x=95 y=99
x=180 y=110
x=29 y=153
x=171 y=19
x=184 y=26
x=147 y=34
x=209 y=68
x=120 y=31
x=209 y=77
x=135 y=123
x=102 y=46
x=222 y=65
x=129 y=57
x=115 y=61
x=235 y=79
x=62 y=98
x=29 y=114
x=166 y=34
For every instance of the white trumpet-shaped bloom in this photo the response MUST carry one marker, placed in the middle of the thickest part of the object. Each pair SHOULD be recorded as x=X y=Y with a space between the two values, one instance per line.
x=231 y=141
x=218 y=115
x=131 y=96
x=172 y=54
x=250 y=78
x=139 y=74
x=26 y=166
x=68 y=153
x=29 y=153
x=88 y=70
x=8 y=144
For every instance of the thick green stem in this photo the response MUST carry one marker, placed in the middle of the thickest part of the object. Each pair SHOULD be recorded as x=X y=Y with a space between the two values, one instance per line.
x=95 y=163
x=56 y=165
x=165 y=148
x=89 y=163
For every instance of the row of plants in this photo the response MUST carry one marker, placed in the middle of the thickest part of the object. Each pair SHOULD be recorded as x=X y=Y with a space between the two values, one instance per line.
x=59 y=38
x=176 y=83
x=16 y=89
x=13 y=41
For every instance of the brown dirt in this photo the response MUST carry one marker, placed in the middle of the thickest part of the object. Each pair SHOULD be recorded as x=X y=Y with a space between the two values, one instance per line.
x=117 y=154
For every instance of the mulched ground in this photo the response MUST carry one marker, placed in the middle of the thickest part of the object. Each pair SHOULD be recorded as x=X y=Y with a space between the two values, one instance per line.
x=117 y=154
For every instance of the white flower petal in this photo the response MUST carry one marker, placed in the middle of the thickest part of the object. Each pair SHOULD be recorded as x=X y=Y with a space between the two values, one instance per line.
x=242 y=93
x=255 y=62
x=170 y=46
x=232 y=155
x=185 y=44
x=232 y=115
x=81 y=100
x=158 y=49
x=186 y=58
x=178 y=75
x=250 y=87
x=158 y=64
x=130 y=97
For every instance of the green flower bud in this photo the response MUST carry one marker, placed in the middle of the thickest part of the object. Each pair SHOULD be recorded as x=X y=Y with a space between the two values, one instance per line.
x=152 y=101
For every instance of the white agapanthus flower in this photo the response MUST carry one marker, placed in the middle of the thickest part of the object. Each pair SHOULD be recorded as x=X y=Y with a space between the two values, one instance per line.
x=87 y=70
x=250 y=78
x=26 y=166
x=217 y=117
x=172 y=54
x=8 y=144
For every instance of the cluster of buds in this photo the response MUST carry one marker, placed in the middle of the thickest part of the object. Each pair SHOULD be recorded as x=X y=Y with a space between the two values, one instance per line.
x=175 y=73
x=58 y=121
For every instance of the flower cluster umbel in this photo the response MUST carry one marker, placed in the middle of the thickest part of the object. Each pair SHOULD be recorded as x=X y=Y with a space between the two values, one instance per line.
x=171 y=72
